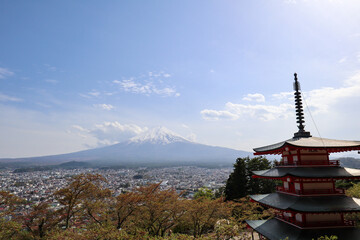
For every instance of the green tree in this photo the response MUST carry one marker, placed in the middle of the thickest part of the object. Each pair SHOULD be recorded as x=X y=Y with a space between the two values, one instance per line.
x=204 y=192
x=258 y=185
x=240 y=182
x=332 y=237
x=354 y=191
x=12 y=230
x=236 y=184
x=345 y=184
x=247 y=210
x=219 y=192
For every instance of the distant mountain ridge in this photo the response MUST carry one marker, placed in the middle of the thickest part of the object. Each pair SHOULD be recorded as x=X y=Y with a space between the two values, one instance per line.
x=350 y=162
x=156 y=146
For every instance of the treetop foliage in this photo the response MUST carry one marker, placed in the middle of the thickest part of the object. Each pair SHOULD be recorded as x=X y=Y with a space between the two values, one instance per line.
x=240 y=182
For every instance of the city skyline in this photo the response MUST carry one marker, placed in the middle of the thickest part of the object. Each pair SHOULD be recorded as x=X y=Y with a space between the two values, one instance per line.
x=76 y=75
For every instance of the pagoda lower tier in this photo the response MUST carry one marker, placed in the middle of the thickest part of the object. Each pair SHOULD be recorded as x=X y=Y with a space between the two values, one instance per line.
x=278 y=229
x=307 y=200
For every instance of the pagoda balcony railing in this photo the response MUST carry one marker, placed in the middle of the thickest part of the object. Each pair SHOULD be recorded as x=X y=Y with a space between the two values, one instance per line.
x=311 y=163
x=311 y=191
x=334 y=162
x=345 y=223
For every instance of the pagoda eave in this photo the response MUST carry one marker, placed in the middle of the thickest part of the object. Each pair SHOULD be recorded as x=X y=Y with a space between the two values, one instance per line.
x=324 y=172
x=311 y=143
x=299 y=211
x=303 y=178
x=292 y=147
x=308 y=204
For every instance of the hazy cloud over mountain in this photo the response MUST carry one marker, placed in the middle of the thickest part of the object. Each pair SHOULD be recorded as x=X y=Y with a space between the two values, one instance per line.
x=108 y=133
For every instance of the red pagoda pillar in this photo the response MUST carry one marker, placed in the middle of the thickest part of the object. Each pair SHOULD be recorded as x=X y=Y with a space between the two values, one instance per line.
x=307 y=203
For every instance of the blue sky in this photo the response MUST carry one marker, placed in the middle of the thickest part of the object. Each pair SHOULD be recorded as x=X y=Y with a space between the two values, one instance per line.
x=82 y=74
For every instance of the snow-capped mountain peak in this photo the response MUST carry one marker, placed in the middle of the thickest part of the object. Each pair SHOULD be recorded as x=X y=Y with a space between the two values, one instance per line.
x=159 y=135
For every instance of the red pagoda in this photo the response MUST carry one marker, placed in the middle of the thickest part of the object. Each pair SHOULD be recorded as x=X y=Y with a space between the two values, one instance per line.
x=307 y=204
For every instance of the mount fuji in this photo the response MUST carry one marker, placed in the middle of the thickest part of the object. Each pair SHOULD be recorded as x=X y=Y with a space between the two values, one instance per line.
x=157 y=147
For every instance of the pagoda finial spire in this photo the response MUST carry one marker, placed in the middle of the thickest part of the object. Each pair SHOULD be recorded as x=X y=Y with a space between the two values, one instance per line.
x=299 y=111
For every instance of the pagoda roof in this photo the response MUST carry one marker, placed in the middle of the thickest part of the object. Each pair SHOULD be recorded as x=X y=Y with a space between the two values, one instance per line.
x=336 y=203
x=331 y=145
x=275 y=229
x=309 y=172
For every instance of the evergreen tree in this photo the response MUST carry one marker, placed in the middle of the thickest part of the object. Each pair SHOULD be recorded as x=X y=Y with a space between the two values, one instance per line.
x=236 y=183
x=240 y=182
x=258 y=185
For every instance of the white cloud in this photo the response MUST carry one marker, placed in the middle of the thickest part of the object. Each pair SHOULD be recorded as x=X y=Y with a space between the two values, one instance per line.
x=283 y=95
x=166 y=75
x=158 y=74
x=131 y=86
x=235 y=111
x=92 y=93
x=260 y=111
x=108 y=133
x=52 y=81
x=257 y=97
x=304 y=1
x=4 y=73
x=355 y=35
x=84 y=95
x=80 y=128
x=148 y=88
x=185 y=126
x=342 y=60
x=318 y=100
x=321 y=100
x=166 y=92
x=104 y=106
x=6 y=98
x=50 y=68
x=214 y=115
x=191 y=137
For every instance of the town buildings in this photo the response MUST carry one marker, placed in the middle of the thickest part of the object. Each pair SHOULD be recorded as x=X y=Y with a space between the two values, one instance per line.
x=38 y=186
